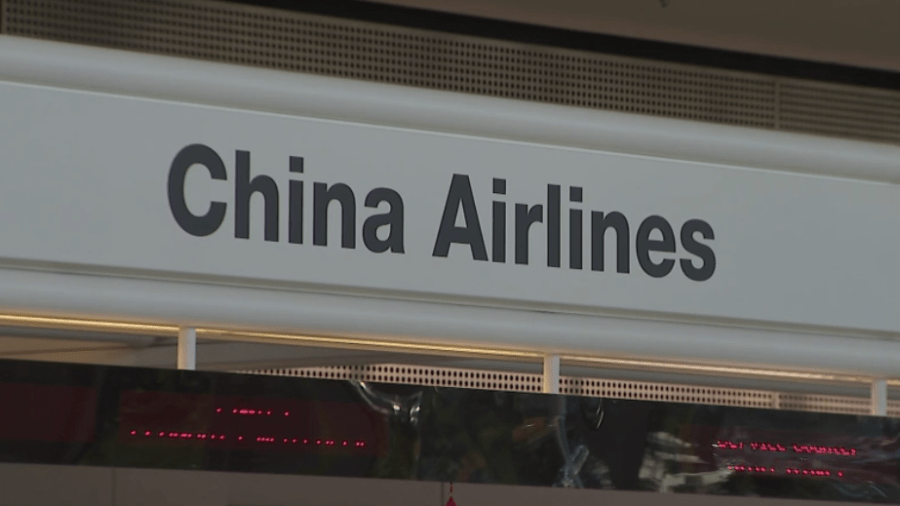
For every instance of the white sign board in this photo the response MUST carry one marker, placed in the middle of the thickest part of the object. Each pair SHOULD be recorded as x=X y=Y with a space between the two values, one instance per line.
x=103 y=182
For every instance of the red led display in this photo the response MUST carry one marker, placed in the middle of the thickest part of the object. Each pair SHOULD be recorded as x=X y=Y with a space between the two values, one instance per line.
x=257 y=439
x=796 y=471
x=792 y=471
x=248 y=411
x=796 y=454
x=752 y=469
x=258 y=425
x=795 y=448
x=824 y=450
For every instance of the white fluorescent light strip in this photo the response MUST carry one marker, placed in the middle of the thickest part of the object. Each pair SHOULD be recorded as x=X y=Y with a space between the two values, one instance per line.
x=374 y=344
x=88 y=324
x=409 y=347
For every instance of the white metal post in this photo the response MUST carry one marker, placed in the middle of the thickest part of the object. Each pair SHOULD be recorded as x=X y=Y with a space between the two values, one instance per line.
x=187 y=348
x=550 y=384
x=879 y=397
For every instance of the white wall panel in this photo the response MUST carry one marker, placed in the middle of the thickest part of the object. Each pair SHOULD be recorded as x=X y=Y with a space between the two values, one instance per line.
x=89 y=174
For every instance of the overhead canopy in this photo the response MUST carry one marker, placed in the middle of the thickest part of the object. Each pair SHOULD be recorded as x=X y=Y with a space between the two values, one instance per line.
x=728 y=244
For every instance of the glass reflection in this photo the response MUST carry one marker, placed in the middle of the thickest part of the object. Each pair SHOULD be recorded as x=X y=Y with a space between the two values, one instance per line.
x=105 y=416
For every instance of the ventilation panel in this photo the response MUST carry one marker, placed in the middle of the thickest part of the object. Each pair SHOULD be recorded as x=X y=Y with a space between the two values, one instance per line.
x=667 y=392
x=828 y=404
x=451 y=377
x=299 y=42
x=840 y=111
x=418 y=375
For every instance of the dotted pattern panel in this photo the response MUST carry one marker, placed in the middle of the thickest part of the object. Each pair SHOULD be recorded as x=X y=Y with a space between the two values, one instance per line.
x=667 y=392
x=893 y=409
x=327 y=46
x=524 y=382
x=415 y=375
x=301 y=42
x=843 y=111
x=588 y=387
x=314 y=44
x=825 y=404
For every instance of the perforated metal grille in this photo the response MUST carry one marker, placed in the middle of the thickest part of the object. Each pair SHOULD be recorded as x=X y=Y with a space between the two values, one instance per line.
x=416 y=375
x=840 y=111
x=893 y=409
x=588 y=387
x=335 y=47
x=825 y=403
